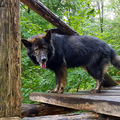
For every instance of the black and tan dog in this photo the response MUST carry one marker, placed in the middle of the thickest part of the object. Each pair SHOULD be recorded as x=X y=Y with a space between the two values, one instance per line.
x=58 y=52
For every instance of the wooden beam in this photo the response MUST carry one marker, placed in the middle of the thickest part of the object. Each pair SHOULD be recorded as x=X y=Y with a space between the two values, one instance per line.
x=107 y=102
x=96 y=103
x=108 y=81
x=43 y=11
x=10 y=57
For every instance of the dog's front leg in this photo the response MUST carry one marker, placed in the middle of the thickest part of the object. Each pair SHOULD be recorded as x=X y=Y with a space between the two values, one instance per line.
x=57 y=84
x=61 y=75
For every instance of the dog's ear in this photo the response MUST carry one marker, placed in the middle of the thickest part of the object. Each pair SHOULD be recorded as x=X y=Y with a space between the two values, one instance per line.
x=47 y=37
x=26 y=42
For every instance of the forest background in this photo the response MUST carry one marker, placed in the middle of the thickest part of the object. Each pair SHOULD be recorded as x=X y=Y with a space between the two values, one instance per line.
x=97 y=18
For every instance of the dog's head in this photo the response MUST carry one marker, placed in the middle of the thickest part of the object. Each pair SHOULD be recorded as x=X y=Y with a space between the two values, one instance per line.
x=39 y=48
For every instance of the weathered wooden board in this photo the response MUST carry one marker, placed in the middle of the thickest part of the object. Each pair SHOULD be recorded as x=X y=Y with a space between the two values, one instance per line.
x=80 y=116
x=107 y=102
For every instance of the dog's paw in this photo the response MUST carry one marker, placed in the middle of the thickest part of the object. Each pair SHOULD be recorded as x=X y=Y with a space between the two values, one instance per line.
x=52 y=91
x=61 y=89
x=94 y=91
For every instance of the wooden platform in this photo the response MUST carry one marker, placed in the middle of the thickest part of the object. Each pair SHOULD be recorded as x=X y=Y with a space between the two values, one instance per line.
x=107 y=102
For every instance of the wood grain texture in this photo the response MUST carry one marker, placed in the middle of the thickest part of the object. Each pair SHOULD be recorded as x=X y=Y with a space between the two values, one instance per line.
x=80 y=116
x=107 y=102
x=42 y=109
x=10 y=59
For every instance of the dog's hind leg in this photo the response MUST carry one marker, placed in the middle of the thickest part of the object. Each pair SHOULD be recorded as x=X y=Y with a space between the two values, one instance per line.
x=61 y=75
x=97 y=88
x=97 y=72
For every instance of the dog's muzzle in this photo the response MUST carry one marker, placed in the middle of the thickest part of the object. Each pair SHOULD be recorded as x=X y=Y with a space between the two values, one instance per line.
x=43 y=62
x=42 y=59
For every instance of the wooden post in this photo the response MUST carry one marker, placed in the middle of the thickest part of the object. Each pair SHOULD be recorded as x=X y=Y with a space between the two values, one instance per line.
x=10 y=59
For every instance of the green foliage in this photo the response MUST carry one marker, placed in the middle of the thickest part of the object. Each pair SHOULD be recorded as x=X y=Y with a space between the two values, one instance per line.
x=81 y=16
x=78 y=79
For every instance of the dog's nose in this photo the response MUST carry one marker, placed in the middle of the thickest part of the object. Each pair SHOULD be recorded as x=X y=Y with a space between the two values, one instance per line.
x=43 y=59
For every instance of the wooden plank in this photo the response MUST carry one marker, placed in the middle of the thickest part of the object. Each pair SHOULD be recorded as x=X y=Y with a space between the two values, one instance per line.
x=83 y=116
x=109 y=92
x=117 y=87
x=100 y=104
x=99 y=94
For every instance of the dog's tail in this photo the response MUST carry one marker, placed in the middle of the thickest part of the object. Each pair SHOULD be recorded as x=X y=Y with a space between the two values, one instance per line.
x=115 y=59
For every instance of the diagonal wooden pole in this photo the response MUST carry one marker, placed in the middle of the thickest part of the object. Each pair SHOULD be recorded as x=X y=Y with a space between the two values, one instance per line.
x=43 y=11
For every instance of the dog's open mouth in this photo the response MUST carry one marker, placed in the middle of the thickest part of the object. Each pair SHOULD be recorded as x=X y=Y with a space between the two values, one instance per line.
x=43 y=65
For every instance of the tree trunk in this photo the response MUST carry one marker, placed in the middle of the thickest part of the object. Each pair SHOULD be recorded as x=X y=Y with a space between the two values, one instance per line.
x=100 y=8
x=42 y=109
x=39 y=8
x=10 y=59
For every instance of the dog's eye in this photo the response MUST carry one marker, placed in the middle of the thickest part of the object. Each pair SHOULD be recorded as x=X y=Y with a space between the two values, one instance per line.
x=36 y=52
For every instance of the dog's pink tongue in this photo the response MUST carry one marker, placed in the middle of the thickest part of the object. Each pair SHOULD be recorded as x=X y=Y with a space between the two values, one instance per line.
x=43 y=65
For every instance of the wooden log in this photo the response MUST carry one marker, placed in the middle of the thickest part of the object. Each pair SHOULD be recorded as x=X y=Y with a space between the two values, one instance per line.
x=74 y=116
x=41 y=109
x=10 y=57
x=108 y=81
x=43 y=11
x=10 y=118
